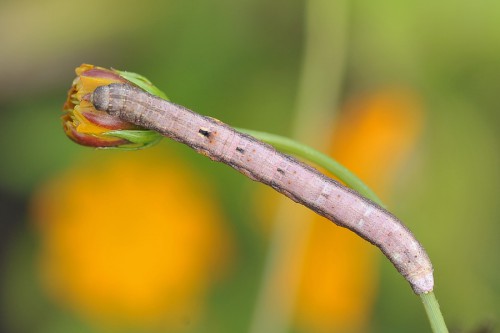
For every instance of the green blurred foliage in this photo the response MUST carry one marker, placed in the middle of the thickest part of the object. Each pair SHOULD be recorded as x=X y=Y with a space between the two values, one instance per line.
x=239 y=61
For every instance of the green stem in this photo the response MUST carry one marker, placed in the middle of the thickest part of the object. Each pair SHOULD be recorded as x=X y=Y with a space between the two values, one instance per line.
x=298 y=149
x=434 y=313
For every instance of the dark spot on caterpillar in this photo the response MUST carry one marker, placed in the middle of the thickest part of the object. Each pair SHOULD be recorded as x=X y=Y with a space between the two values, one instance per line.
x=325 y=195
x=281 y=171
x=253 y=150
x=204 y=132
x=240 y=150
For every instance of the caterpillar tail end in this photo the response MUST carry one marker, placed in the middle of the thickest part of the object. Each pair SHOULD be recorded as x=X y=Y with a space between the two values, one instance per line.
x=423 y=283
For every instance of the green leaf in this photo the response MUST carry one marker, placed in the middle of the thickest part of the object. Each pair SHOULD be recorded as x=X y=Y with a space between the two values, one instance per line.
x=139 y=139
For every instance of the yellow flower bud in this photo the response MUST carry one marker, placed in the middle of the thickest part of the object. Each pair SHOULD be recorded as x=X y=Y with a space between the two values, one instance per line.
x=87 y=126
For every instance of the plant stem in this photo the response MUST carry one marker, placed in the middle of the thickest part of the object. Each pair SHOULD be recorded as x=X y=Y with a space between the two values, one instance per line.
x=434 y=312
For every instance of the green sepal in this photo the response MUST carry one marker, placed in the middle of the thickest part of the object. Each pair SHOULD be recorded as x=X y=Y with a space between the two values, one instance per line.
x=139 y=139
x=142 y=83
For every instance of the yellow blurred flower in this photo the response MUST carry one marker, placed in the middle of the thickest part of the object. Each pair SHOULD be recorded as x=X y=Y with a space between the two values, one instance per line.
x=131 y=240
x=339 y=277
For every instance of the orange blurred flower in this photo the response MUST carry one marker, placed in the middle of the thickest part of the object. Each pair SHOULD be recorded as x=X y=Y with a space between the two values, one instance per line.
x=131 y=240
x=339 y=274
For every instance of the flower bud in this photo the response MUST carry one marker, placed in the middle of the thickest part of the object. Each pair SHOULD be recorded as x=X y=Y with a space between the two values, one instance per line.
x=90 y=127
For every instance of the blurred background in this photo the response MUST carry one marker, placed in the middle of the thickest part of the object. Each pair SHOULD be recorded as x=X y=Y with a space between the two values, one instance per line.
x=164 y=240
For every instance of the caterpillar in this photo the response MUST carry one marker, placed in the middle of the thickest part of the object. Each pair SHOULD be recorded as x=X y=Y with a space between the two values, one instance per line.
x=261 y=162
